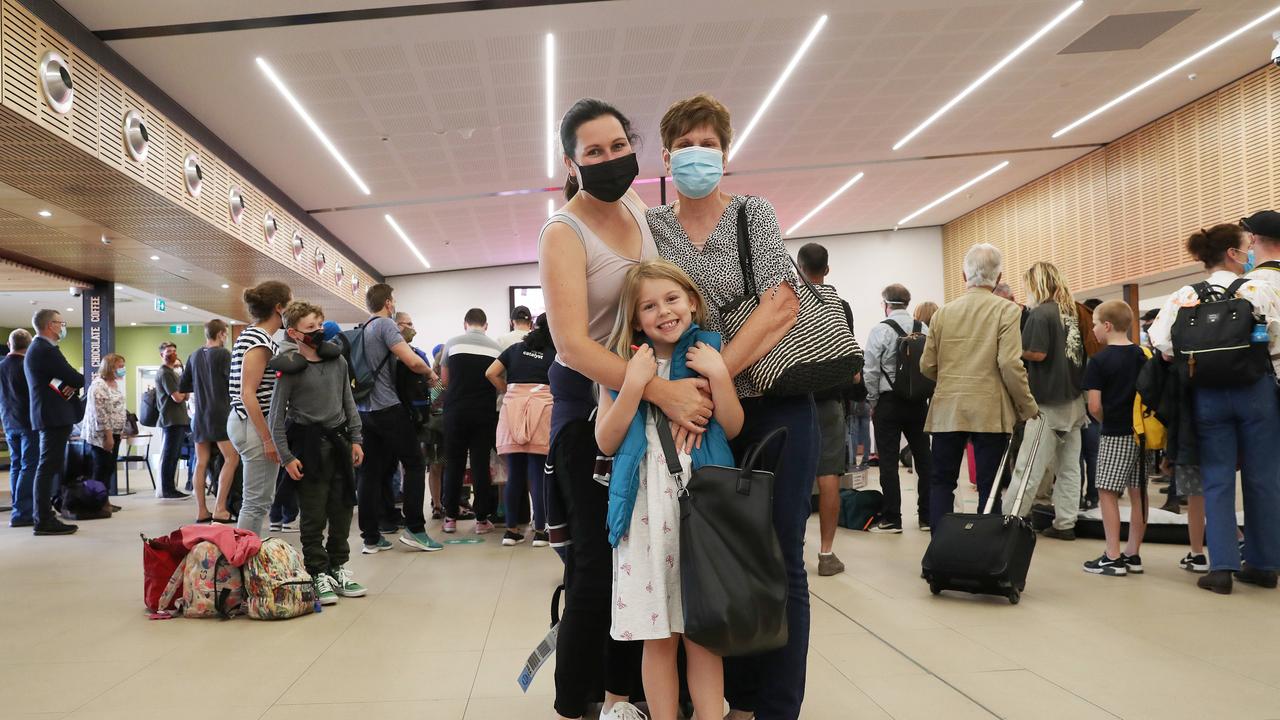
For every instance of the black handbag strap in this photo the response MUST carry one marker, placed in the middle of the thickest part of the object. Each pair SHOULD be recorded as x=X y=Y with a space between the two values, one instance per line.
x=669 y=450
x=746 y=261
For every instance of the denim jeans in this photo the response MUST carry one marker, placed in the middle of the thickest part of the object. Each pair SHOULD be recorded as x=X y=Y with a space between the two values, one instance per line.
x=1239 y=425
x=948 y=451
x=53 y=460
x=259 y=474
x=24 y=451
x=858 y=432
x=772 y=684
x=524 y=481
x=1090 y=437
x=175 y=436
x=285 y=505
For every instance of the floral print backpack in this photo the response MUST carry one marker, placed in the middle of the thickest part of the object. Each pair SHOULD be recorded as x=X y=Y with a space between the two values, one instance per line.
x=277 y=584
x=205 y=585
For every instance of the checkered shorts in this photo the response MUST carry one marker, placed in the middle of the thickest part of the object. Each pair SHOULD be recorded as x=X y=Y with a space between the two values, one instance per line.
x=1118 y=463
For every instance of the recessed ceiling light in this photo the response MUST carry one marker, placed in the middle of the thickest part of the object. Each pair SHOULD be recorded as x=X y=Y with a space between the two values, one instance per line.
x=777 y=86
x=955 y=192
x=417 y=253
x=850 y=183
x=44 y=213
x=132 y=324
x=1170 y=70
x=119 y=287
x=155 y=257
x=550 y=81
x=987 y=75
x=71 y=309
x=306 y=118
x=226 y=286
x=184 y=307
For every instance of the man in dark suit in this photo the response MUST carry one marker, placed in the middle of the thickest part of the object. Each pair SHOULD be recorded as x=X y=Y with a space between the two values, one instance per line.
x=54 y=409
x=15 y=413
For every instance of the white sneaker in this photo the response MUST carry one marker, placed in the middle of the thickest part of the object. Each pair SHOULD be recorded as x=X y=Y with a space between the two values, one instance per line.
x=623 y=711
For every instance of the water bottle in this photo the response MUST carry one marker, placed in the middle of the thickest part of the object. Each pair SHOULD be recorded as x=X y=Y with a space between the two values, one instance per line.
x=1260 y=334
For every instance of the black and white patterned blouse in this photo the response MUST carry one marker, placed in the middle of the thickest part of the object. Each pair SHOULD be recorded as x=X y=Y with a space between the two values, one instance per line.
x=715 y=267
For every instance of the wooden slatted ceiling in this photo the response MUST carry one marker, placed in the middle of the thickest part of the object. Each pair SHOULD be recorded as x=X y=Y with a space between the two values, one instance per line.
x=1122 y=213
x=78 y=160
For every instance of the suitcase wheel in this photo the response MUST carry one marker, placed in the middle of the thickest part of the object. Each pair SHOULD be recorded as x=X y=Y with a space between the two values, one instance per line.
x=1014 y=596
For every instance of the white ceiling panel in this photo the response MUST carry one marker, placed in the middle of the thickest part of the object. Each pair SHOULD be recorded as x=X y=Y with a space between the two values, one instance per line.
x=439 y=113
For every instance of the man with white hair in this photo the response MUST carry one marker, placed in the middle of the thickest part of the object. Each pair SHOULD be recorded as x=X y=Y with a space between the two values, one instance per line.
x=974 y=353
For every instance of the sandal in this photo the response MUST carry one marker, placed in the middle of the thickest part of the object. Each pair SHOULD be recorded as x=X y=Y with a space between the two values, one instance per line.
x=204 y=520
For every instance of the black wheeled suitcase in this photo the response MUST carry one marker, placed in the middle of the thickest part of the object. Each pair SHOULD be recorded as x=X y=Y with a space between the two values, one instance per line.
x=985 y=553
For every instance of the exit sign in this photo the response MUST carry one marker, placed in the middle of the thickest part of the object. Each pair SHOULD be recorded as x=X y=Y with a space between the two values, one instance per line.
x=160 y=304
x=179 y=329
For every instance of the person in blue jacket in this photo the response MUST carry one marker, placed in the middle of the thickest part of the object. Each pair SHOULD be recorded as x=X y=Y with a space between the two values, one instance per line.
x=657 y=333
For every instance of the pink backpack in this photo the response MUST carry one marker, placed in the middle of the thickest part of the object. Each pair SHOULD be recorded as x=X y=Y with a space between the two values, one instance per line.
x=208 y=585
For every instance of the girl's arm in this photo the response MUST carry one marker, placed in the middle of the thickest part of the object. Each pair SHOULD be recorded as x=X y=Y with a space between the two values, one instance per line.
x=614 y=417
x=704 y=360
x=497 y=376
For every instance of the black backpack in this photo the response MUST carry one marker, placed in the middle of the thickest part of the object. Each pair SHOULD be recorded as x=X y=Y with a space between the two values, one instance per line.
x=149 y=411
x=363 y=375
x=1213 y=341
x=909 y=384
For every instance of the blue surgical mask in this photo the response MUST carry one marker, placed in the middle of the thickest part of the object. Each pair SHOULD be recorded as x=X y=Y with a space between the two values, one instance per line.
x=1252 y=262
x=62 y=332
x=697 y=170
x=120 y=373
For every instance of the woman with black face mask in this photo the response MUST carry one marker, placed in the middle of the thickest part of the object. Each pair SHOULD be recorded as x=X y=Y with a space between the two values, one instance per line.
x=584 y=253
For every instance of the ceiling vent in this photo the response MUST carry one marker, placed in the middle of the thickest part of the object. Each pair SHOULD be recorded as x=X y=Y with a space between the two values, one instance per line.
x=193 y=174
x=355 y=284
x=55 y=82
x=136 y=139
x=297 y=245
x=269 y=226
x=339 y=274
x=235 y=200
x=1126 y=32
x=320 y=261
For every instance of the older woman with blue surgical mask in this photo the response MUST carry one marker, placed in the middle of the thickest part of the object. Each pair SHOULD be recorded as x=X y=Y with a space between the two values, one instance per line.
x=699 y=232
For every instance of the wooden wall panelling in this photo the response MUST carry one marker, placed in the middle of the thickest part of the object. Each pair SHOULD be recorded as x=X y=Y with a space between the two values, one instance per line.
x=18 y=43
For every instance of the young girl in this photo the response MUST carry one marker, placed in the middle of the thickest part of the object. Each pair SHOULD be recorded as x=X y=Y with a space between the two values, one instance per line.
x=657 y=332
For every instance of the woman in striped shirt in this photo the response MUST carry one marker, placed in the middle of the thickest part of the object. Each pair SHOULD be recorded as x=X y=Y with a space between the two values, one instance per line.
x=251 y=387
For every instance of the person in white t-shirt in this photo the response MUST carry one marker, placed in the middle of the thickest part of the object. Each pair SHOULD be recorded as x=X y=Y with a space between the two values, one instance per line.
x=521 y=325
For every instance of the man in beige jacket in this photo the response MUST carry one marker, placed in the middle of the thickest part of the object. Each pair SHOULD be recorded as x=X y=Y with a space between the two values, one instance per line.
x=974 y=353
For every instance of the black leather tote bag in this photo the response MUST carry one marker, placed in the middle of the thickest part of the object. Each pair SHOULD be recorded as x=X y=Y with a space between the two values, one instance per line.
x=733 y=580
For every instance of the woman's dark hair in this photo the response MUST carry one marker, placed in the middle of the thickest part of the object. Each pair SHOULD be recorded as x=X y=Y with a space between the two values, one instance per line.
x=539 y=338
x=262 y=301
x=1210 y=246
x=582 y=112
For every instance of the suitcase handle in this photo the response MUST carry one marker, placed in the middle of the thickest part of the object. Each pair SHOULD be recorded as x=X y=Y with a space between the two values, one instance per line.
x=1004 y=459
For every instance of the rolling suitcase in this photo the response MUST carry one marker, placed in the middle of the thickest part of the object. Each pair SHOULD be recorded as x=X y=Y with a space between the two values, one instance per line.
x=983 y=553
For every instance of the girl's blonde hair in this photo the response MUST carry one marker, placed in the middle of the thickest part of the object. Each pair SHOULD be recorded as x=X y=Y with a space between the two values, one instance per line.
x=624 y=334
x=1045 y=284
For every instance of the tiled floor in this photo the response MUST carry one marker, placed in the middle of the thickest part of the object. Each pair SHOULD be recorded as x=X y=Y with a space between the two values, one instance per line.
x=443 y=637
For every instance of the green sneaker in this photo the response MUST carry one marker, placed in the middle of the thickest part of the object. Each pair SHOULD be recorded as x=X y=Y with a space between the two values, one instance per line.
x=345 y=585
x=420 y=541
x=382 y=544
x=325 y=589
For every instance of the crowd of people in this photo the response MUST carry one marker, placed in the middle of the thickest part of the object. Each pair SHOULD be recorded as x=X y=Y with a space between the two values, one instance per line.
x=635 y=346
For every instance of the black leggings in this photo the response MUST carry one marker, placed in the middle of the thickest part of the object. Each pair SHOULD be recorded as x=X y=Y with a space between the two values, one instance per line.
x=587 y=658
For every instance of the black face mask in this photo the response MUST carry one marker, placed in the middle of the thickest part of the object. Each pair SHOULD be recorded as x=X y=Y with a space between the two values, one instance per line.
x=313 y=338
x=609 y=181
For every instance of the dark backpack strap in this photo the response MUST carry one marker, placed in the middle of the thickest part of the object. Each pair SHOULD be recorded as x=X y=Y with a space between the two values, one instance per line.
x=745 y=260
x=1205 y=292
x=1234 y=287
x=917 y=327
x=896 y=327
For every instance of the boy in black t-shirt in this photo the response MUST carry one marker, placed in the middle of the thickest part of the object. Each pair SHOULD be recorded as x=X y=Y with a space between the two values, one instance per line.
x=1110 y=381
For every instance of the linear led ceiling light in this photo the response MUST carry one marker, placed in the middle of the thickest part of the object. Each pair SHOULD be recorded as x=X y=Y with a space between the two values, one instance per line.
x=414 y=248
x=1170 y=70
x=550 y=61
x=306 y=118
x=989 y=73
x=955 y=192
x=551 y=207
x=850 y=183
x=777 y=86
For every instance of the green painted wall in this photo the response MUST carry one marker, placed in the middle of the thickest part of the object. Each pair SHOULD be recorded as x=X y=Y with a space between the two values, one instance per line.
x=138 y=345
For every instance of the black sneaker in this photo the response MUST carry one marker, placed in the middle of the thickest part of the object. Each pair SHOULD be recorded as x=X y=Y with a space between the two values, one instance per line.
x=511 y=537
x=1104 y=565
x=175 y=495
x=1194 y=563
x=1254 y=576
x=1055 y=533
x=54 y=526
x=1218 y=581
x=886 y=527
x=1133 y=562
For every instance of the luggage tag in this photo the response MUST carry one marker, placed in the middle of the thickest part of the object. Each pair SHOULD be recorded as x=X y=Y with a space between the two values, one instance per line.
x=538 y=658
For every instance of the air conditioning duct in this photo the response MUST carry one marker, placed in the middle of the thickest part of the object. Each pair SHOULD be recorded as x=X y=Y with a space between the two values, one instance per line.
x=55 y=82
